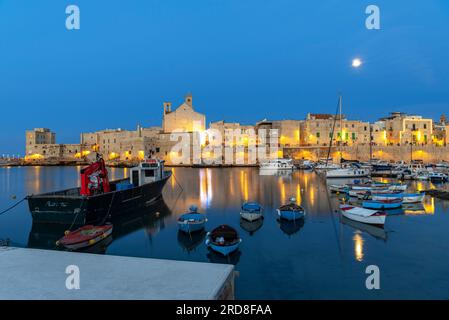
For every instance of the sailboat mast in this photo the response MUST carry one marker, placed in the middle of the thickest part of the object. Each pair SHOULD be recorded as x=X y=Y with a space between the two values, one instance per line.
x=341 y=128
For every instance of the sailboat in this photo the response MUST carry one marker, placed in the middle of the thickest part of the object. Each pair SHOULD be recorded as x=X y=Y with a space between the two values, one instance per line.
x=352 y=169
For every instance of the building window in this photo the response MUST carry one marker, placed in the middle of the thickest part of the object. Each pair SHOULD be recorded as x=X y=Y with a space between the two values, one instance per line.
x=353 y=136
x=318 y=135
x=425 y=126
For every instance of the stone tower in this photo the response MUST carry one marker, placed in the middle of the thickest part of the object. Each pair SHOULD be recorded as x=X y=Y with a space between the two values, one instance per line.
x=443 y=119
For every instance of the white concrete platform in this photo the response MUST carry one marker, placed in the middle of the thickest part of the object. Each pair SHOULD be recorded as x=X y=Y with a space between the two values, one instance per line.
x=41 y=274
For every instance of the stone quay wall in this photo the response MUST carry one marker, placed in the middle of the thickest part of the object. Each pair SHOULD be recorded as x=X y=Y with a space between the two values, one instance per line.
x=426 y=153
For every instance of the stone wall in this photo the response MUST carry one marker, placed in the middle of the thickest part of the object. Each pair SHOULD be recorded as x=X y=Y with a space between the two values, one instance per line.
x=427 y=153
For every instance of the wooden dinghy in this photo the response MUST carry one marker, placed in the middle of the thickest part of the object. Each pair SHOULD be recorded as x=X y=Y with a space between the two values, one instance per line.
x=374 y=217
x=85 y=236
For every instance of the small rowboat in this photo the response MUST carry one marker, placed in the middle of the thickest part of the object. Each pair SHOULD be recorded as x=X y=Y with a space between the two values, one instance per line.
x=338 y=188
x=251 y=211
x=85 y=236
x=358 y=193
x=192 y=221
x=291 y=211
x=382 y=204
x=223 y=239
x=398 y=187
x=405 y=197
x=374 y=217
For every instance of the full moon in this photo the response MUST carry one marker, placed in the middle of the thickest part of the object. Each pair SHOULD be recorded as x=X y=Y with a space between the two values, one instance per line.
x=356 y=63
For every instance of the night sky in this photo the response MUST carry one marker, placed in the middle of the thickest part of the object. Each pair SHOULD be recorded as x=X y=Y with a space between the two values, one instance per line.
x=242 y=60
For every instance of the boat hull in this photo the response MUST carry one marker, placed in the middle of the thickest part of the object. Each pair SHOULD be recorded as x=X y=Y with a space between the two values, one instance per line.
x=374 y=220
x=65 y=207
x=381 y=205
x=290 y=215
x=251 y=216
x=224 y=250
x=191 y=227
x=411 y=198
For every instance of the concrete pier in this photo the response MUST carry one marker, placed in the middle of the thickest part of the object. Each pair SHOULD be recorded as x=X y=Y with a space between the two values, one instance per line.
x=41 y=274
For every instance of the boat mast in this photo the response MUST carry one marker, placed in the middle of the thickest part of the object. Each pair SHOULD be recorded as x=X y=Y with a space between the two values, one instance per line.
x=341 y=129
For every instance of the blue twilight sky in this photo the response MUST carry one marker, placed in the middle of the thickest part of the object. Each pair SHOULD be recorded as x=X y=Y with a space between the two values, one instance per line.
x=243 y=60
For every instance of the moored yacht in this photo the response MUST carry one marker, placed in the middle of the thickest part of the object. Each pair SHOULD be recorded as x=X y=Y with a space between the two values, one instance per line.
x=353 y=170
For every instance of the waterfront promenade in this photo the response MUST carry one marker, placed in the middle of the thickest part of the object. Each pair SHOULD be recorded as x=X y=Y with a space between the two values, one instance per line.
x=34 y=274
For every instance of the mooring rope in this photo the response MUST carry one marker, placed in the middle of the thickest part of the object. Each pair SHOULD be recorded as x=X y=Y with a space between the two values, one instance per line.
x=12 y=207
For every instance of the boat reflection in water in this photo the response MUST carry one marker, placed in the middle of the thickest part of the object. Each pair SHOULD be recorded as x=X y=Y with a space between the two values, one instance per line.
x=190 y=241
x=276 y=172
x=376 y=232
x=44 y=236
x=290 y=227
x=251 y=227
x=232 y=258
x=414 y=208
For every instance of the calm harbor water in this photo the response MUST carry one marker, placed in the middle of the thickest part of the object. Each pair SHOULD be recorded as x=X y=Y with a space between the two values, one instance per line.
x=322 y=257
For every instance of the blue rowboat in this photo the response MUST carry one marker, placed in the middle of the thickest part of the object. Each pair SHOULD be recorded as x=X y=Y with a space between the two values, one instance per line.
x=405 y=197
x=223 y=239
x=192 y=221
x=251 y=211
x=382 y=204
x=291 y=211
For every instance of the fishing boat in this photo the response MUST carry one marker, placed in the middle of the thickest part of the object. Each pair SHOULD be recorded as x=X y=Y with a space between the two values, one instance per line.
x=382 y=204
x=85 y=236
x=223 y=239
x=98 y=198
x=375 y=217
x=192 y=221
x=291 y=211
x=251 y=211
x=405 y=197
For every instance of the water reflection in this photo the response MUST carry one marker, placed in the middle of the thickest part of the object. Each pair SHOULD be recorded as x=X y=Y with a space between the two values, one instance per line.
x=290 y=227
x=150 y=219
x=219 y=193
x=190 y=241
x=228 y=189
x=358 y=246
x=251 y=226
x=376 y=232
x=232 y=258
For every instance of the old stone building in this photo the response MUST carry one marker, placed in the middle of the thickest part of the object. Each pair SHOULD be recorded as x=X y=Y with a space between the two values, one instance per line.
x=317 y=130
x=118 y=144
x=35 y=139
x=184 y=118
x=405 y=129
